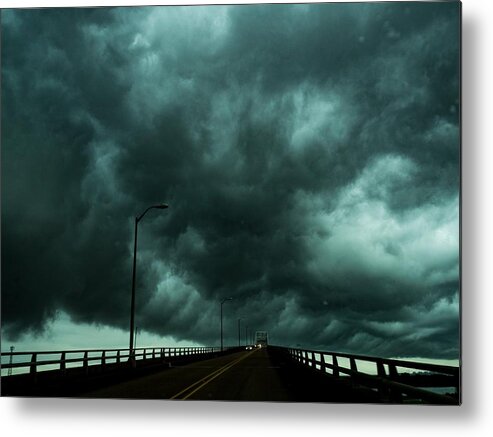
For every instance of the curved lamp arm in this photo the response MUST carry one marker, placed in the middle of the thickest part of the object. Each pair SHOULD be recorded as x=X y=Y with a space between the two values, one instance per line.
x=160 y=206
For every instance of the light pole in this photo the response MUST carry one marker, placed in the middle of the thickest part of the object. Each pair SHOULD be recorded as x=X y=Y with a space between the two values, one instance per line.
x=222 y=302
x=135 y=336
x=132 y=303
x=239 y=331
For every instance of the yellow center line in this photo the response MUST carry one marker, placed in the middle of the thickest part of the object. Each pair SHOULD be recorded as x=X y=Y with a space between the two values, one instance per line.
x=211 y=376
x=217 y=374
x=202 y=379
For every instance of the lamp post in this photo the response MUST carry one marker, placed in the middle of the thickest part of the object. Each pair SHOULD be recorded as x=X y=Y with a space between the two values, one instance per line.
x=222 y=302
x=135 y=337
x=132 y=303
x=239 y=331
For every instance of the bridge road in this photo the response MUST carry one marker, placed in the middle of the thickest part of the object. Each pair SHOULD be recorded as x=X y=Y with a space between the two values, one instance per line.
x=256 y=375
x=245 y=375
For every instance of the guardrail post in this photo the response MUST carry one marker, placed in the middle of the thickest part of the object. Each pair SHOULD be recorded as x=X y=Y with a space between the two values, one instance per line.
x=313 y=361
x=62 y=362
x=85 y=363
x=383 y=390
x=381 y=369
x=335 y=371
x=352 y=363
x=395 y=395
x=33 y=369
x=103 y=360
x=393 y=371
x=322 y=362
x=118 y=356
x=153 y=353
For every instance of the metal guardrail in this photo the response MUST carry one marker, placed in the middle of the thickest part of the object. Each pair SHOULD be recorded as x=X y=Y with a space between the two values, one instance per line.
x=396 y=381
x=390 y=380
x=39 y=361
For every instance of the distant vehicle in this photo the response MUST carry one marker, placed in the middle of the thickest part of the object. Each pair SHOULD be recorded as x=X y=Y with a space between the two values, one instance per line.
x=249 y=348
x=261 y=339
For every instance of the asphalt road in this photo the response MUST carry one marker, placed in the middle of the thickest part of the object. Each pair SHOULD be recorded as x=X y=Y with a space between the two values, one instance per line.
x=256 y=375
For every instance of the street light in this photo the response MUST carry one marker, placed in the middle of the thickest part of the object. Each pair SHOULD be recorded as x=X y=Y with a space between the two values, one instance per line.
x=239 y=331
x=132 y=304
x=222 y=302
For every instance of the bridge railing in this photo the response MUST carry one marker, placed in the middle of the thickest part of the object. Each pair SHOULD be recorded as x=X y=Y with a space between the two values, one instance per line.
x=396 y=380
x=39 y=361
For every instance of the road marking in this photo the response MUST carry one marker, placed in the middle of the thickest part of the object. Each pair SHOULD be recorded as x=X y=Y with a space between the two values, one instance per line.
x=225 y=367
x=210 y=377
x=218 y=373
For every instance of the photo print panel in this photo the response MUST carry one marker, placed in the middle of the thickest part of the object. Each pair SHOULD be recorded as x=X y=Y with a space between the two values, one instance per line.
x=253 y=202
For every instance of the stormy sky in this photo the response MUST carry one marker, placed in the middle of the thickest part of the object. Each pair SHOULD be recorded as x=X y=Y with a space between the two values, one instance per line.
x=309 y=155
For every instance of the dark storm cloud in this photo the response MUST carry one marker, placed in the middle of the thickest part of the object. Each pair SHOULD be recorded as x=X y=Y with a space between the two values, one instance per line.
x=309 y=154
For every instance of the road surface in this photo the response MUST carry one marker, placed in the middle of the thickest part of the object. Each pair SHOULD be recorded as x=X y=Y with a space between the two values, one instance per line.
x=250 y=375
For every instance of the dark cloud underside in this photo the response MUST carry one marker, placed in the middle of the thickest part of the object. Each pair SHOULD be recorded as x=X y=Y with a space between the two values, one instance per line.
x=309 y=154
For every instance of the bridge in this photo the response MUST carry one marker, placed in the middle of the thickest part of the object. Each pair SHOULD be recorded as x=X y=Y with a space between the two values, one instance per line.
x=251 y=373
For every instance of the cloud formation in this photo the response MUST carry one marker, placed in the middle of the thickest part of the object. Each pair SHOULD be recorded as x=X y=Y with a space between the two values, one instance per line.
x=309 y=154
